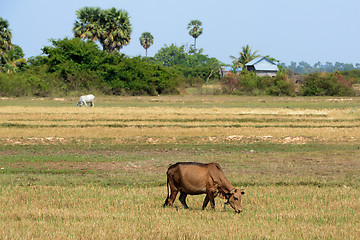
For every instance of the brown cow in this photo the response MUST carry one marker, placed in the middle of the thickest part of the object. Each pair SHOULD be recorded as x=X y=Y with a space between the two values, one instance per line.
x=200 y=178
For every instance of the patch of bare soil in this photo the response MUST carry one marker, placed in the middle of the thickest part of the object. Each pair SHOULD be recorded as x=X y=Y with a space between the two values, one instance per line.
x=107 y=167
x=34 y=141
x=240 y=139
x=339 y=99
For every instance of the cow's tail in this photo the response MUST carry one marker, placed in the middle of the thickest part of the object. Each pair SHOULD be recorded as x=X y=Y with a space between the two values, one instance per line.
x=167 y=198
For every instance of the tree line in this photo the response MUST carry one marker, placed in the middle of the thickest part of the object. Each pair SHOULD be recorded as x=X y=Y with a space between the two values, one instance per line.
x=78 y=65
x=306 y=68
x=74 y=65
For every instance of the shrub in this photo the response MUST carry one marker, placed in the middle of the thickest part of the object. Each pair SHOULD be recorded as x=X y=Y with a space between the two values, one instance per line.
x=279 y=85
x=27 y=83
x=327 y=84
x=352 y=75
x=230 y=83
x=13 y=85
x=250 y=83
x=136 y=76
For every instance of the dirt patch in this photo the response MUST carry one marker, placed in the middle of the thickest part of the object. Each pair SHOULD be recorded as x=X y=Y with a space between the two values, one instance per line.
x=339 y=100
x=34 y=141
x=238 y=139
x=84 y=167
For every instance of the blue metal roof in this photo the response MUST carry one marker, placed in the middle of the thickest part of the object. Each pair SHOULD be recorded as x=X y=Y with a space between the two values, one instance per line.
x=229 y=69
x=263 y=64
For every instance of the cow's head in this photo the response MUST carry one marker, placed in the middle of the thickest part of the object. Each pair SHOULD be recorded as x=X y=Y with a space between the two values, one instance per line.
x=234 y=198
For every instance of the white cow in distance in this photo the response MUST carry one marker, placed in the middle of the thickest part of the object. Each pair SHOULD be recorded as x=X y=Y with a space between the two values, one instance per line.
x=86 y=99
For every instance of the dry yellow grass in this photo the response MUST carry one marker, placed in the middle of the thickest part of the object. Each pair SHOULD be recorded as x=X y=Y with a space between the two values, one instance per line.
x=136 y=213
x=177 y=122
x=100 y=132
x=101 y=112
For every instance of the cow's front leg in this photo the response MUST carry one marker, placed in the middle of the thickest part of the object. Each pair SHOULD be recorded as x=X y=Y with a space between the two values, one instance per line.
x=206 y=201
x=211 y=196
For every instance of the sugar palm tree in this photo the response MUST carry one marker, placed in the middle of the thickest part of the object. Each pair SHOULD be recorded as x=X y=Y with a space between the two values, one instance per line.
x=246 y=56
x=195 y=30
x=110 y=27
x=117 y=30
x=5 y=38
x=88 y=24
x=146 y=40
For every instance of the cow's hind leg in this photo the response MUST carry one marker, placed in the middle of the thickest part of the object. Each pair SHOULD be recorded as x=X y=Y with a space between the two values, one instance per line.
x=170 y=200
x=173 y=192
x=182 y=199
x=172 y=197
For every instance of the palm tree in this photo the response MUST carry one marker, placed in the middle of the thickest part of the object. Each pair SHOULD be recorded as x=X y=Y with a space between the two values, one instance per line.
x=110 y=27
x=195 y=30
x=246 y=56
x=146 y=40
x=88 y=24
x=5 y=39
x=117 y=30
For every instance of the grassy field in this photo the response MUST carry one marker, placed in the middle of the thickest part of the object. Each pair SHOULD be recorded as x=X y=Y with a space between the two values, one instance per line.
x=99 y=173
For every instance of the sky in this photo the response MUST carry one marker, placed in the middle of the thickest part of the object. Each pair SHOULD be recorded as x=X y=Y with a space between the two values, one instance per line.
x=287 y=30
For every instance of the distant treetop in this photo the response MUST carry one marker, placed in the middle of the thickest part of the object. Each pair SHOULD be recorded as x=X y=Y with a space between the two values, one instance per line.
x=111 y=27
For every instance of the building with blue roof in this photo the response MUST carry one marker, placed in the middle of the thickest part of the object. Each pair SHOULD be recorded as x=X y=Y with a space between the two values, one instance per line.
x=225 y=70
x=262 y=66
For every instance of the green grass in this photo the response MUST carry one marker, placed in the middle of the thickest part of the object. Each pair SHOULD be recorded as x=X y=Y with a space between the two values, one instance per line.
x=256 y=164
x=205 y=101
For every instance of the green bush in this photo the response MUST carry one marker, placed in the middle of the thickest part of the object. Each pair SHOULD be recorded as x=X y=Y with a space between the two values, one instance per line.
x=249 y=82
x=136 y=76
x=29 y=83
x=279 y=85
x=191 y=64
x=13 y=85
x=327 y=84
x=352 y=75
